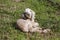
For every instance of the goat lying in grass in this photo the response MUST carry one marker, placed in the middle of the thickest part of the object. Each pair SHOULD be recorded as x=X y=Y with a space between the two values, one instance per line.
x=29 y=26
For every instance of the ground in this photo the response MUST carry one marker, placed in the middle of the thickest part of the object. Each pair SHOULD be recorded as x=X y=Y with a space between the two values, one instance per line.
x=47 y=15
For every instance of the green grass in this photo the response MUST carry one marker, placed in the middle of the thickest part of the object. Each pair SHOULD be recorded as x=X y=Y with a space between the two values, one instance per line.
x=47 y=15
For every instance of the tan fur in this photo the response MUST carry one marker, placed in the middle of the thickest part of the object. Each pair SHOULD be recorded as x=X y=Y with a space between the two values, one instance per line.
x=27 y=25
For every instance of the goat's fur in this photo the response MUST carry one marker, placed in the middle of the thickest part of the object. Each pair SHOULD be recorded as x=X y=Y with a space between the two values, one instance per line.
x=27 y=25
